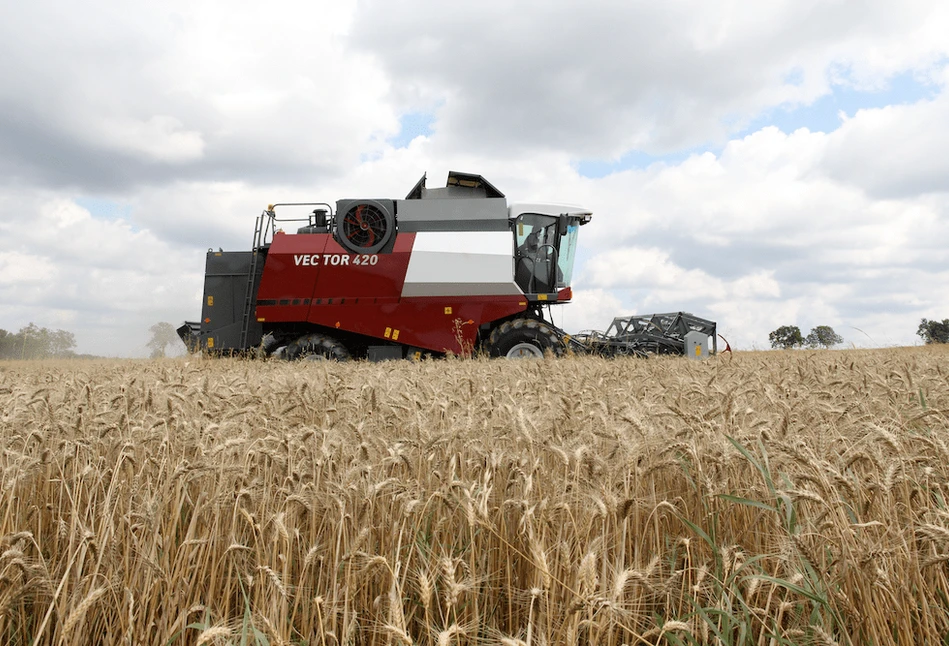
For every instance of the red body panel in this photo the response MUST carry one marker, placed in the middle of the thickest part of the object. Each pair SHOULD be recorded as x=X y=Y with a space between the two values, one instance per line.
x=311 y=278
x=430 y=323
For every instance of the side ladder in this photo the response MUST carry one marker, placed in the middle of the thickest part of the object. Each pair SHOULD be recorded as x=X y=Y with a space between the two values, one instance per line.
x=249 y=300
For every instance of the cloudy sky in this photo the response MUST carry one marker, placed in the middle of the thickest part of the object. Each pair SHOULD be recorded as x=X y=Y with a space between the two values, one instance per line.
x=756 y=163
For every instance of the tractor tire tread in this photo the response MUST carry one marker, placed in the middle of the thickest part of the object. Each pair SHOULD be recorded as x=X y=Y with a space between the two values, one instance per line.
x=317 y=344
x=521 y=330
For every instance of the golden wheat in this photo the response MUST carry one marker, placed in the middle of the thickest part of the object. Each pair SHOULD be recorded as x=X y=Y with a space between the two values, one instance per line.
x=779 y=497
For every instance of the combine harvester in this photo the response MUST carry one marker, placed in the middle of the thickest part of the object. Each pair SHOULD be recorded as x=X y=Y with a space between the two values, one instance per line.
x=446 y=270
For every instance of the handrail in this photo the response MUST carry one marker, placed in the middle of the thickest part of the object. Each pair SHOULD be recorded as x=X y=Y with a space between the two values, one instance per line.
x=329 y=208
x=272 y=214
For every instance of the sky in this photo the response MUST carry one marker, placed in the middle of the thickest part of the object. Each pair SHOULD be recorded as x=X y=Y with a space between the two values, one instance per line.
x=755 y=163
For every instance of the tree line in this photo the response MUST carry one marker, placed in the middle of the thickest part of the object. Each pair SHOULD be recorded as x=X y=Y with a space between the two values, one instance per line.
x=823 y=336
x=33 y=342
x=934 y=331
x=789 y=336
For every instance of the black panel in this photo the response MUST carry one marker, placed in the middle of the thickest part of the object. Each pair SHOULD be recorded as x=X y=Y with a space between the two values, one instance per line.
x=384 y=352
x=416 y=192
x=225 y=294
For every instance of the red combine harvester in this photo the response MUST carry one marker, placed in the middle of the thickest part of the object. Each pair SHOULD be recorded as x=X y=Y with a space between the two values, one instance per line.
x=452 y=269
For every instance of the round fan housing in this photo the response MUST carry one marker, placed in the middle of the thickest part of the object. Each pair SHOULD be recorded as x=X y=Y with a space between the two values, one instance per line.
x=365 y=226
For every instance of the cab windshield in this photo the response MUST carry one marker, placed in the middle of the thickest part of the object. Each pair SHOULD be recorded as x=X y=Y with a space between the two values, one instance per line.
x=568 y=249
x=543 y=257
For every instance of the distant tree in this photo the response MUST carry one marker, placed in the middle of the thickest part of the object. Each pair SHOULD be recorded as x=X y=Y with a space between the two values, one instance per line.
x=934 y=331
x=786 y=337
x=823 y=336
x=163 y=335
x=34 y=342
x=62 y=343
x=7 y=342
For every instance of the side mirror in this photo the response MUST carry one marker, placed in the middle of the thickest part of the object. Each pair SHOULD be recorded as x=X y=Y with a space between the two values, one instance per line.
x=562 y=224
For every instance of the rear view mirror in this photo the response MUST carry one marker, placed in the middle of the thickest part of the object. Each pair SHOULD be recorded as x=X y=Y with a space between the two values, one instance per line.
x=562 y=223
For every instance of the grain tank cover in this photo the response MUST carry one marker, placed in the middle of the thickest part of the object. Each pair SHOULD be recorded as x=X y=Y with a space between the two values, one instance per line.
x=464 y=185
x=467 y=203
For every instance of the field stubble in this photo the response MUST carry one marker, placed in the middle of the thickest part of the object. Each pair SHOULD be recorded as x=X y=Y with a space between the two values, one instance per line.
x=761 y=498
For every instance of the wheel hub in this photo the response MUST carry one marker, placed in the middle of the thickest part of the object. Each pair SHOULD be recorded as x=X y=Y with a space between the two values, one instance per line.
x=524 y=351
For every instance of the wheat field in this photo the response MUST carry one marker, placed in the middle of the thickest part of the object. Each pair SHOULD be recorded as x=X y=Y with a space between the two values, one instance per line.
x=761 y=498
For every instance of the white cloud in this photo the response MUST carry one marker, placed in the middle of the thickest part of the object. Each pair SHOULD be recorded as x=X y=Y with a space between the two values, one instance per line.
x=590 y=309
x=22 y=270
x=186 y=90
x=102 y=279
x=656 y=77
x=893 y=152
x=159 y=138
x=195 y=115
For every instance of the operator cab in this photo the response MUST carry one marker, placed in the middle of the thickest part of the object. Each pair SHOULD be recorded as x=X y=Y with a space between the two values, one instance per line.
x=545 y=245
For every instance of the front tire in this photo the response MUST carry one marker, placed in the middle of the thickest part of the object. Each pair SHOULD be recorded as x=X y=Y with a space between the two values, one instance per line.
x=316 y=347
x=524 y=338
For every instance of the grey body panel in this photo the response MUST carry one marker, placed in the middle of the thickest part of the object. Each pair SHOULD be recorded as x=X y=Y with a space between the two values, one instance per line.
x=454 y=213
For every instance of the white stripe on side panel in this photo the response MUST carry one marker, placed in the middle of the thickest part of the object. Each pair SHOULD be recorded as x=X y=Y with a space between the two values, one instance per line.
x=461 y=263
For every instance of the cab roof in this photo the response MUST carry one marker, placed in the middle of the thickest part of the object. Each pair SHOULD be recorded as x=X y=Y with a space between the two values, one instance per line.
x=553 y=209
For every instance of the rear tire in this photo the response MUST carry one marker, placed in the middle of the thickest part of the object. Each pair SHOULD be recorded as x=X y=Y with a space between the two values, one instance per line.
x=316 y=347
x=524 y=338
x=269 y=344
